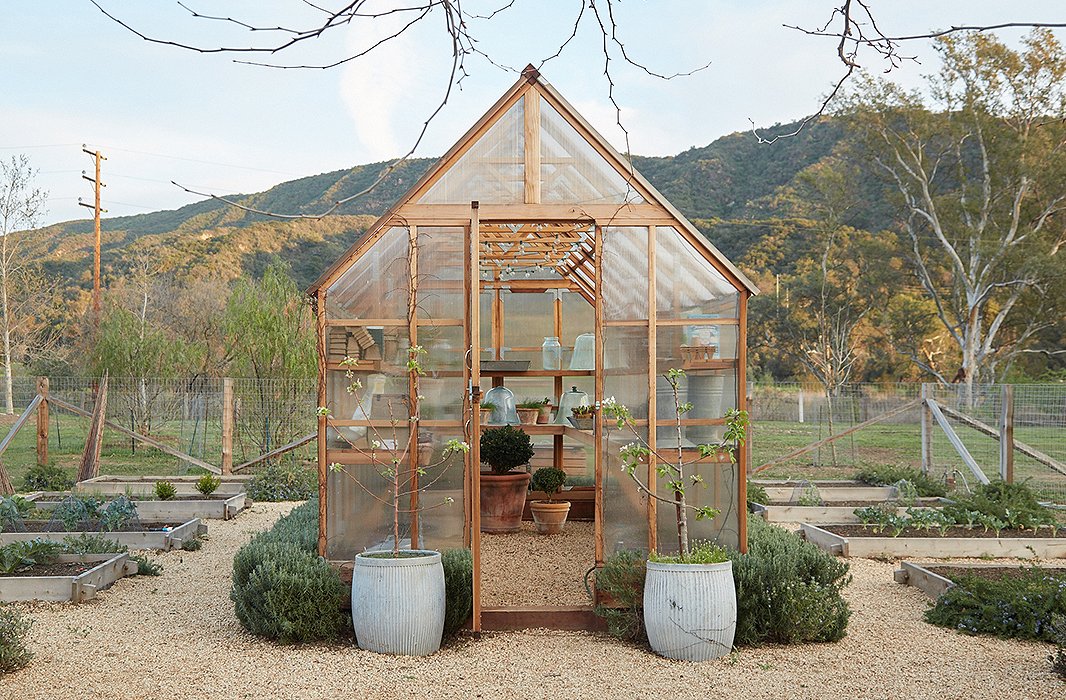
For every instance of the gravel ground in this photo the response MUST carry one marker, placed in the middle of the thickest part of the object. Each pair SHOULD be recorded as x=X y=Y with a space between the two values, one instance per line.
x=175 y=636
x=527 y=569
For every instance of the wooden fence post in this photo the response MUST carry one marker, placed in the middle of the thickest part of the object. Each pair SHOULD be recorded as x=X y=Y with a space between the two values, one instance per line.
x=42 y=421
x=227 y=426
x=927 y=431
x=1006 y=435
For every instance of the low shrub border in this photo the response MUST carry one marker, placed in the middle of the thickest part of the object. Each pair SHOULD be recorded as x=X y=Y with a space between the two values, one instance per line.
x=283 y=590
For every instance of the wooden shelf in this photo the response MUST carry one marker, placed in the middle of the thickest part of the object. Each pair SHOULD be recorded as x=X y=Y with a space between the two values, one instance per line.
x=587 y=437
x=541 y=373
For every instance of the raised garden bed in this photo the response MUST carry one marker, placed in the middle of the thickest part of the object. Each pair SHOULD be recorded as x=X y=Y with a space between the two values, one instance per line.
x=180 y=508
x=71 y=578
x=834 y=513
x=860 y=541
x=145 y=485
x=147 y=535
x=790 y=492
x=935 y=578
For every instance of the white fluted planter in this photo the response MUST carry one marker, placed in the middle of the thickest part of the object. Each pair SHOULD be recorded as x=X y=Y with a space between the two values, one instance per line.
x=690 y=610
x=398 y=604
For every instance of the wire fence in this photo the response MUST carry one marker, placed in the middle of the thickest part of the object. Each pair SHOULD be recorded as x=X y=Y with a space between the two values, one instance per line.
x=786 y=417
x=186 y=413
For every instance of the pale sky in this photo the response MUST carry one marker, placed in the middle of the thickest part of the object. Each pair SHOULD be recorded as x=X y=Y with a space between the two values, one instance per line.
x=69 y=75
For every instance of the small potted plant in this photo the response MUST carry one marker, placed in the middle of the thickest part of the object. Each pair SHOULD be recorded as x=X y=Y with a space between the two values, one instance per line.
x=583 y=417
x=487 y=407
x=545 y=414
x=529 y=410
x=549 y=515
x=503 y=490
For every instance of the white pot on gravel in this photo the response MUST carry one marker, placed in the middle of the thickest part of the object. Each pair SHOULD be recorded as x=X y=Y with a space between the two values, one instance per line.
x=398 y=603
x=690 y=610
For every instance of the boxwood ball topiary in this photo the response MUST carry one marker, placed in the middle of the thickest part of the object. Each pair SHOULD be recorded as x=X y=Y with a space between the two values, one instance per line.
x=506 y=448
x=550 y=480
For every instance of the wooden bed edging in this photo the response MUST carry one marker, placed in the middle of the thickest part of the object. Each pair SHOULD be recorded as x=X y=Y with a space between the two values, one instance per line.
x=935 y=547
x=843 y=515
x=151 y=539
x=161 y=511
x=145 y=485
x=72 y=589
x=933 y=584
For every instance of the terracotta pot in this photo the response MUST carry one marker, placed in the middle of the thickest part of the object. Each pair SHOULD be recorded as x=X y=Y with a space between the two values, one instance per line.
x=503 y=496
x=486 y=413
x=528 y=416
x=544 y=414
x=550 y=516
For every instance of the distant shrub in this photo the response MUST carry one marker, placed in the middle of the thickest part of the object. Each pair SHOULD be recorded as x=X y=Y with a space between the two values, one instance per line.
x=192 y=544
x=146 y=566
x=207 y=484
x=1013 y=505
x=1018 y=607
x=458 y=589
x=888 y=475
x=279 y=482
x=757 y=494
x=14 y=627
x=47 y=478
x=165 y=491
x=89 y=543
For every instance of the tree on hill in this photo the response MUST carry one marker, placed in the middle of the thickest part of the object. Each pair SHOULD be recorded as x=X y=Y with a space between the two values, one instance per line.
x=979 y=170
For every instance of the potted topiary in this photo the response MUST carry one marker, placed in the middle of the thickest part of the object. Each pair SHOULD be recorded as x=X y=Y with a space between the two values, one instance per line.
x=503 y=490
x=529 y=410
x=549 y=516
x=690 y=605
x=398 y=594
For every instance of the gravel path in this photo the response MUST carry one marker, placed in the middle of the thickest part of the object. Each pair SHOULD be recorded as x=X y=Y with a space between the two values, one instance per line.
x=527 y=569
x=175 y=637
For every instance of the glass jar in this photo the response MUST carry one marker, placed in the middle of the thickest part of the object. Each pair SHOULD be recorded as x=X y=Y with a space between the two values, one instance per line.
x=551 y=353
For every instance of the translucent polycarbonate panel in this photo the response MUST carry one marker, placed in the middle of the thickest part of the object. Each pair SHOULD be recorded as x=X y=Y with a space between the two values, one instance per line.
x=625 y=375
x=704 y=346
x=492 y=171
x=381 y=397
x=572 y=171
x=711 y=392
x=383 y=347
x=488 y=350
x=440 y=272
x=625 y=510
x=625 y=273
x=441 y=511
x=527 y=320
x=687 y=285
x=578 y=318
x=442 y=387
x=355 y=520
x=375 y=285
x=719 y=490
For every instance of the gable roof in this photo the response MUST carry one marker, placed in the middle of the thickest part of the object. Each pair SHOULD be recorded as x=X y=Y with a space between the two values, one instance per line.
x=636 y=184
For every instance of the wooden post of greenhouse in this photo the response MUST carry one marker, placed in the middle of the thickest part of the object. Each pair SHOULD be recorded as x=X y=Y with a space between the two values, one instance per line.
x=320 y=337
x=227 y=426
x=473 y=275
x=42 y=421
x=742 y=404
x=653 y=409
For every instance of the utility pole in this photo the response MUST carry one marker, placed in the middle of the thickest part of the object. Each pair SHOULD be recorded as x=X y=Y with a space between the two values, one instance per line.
x=97 y=185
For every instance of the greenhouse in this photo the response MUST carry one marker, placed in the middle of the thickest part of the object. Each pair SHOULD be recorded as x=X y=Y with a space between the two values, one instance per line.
x=533 y=258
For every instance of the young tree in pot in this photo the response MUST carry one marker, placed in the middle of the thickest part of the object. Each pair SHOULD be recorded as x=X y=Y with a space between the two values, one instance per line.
x=690 y=602
x=503 y=490
x=398 y=594
x=549 y=516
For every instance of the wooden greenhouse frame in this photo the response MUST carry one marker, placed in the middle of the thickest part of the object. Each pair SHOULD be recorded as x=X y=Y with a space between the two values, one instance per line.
x=531 y=218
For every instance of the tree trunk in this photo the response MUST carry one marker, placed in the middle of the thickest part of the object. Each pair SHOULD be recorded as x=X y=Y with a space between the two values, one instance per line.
x=9 y=399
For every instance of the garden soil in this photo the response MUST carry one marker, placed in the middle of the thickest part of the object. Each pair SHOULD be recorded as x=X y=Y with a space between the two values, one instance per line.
x=175 y=636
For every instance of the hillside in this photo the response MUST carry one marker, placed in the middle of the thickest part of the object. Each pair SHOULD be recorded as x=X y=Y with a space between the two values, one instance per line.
x=733 y=177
